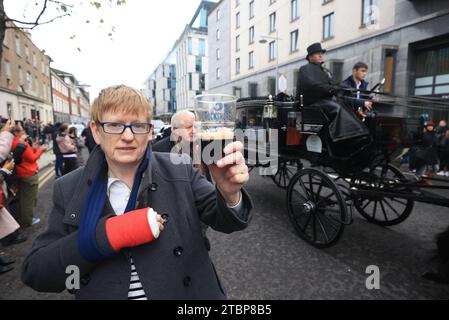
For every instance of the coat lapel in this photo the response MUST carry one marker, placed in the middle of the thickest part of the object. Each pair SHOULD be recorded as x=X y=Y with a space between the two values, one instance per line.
x=75 y=206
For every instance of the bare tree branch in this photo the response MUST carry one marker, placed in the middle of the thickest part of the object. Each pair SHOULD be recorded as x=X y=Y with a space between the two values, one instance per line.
x=61 y=3
x=42 y=12
x=33 y=24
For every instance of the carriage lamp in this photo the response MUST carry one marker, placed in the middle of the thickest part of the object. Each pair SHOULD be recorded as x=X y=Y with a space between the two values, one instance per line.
x=270 y=111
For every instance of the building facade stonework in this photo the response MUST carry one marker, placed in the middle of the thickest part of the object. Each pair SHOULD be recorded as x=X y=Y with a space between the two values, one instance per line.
x=25 y=87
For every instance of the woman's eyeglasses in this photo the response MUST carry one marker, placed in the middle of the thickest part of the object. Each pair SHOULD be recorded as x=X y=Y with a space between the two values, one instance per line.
x=119 y=128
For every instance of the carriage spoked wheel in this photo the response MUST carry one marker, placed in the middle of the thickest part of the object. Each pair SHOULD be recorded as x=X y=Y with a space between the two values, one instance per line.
x=316 y=208
x=286 y=170
x=383 y=211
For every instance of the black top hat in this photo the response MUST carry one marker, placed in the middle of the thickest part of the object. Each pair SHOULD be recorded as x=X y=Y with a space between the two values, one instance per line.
x=314 y=48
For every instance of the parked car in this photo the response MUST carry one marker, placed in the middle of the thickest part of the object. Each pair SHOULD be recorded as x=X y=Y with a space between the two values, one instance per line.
x=164 y=132
x=157 y=126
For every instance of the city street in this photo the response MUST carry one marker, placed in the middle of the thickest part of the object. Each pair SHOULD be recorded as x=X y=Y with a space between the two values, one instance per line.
x=268 y=260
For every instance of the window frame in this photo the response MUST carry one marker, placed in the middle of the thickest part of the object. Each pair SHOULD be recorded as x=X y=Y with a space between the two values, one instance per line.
x=272 y=20
x=331 y=26
x=272 y=54
x=296 y=49
x=294 y=15
x=251 y=60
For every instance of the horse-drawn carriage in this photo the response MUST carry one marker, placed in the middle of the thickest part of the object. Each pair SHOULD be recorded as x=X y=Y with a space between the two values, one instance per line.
x=326 y=181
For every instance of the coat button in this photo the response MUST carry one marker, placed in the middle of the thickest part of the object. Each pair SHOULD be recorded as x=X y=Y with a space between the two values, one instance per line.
x=153 y=187
x=187 y=281
x=89 y=182
x=165 y=217
x=178 y=251
x=72 y=216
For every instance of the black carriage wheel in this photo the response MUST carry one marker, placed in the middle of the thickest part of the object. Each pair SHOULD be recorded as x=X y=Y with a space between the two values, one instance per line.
x=316 y=208
x=379 y=210
x=286 y=170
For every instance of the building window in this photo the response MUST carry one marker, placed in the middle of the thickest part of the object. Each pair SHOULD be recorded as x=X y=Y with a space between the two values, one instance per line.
x=271 y=83
x=202 y=82
x=27 y=54
x=18 y=51
x=273 y=22
x=294 y=41
x=218 y=34
x=237 y=92
x=272 y=50
x=251 y=60
x=34 y=60
x=328 y=26
x=432 y=72
x=237 y=3
x=190 y=82
x=336 y=69
x=218 y=73
x=251 y=9
x=252 y=89
x=218 y=54
x=7 y=69
x=218 y=15
x=29 y=81
x=198 y=66
x=202 y=47
x=237 y=65
x=237 y=43
x=327 y=1
x=251 y=35
x=20 y=76
x=369 y=9
x=272 y=1
x=294 y=9
x=237 y=20
x=189 y=45
x=6 y=39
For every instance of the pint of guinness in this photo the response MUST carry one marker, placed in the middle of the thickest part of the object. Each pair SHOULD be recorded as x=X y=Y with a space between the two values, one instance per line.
x=215 y=124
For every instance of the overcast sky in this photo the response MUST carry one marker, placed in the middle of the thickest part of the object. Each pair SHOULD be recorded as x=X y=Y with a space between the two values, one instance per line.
x=145 y=31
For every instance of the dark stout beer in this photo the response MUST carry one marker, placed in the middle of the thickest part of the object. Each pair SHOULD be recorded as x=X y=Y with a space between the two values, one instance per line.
x=213 y=143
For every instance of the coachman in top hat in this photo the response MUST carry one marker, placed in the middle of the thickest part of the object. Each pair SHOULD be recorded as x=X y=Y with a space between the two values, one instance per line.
x=319 y=89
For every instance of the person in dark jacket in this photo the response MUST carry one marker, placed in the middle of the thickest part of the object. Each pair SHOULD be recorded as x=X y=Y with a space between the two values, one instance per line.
x=443 y=148
x=68 y=150
x=132 y=228
x=182 y=140
x=426 y=154
x=318 y=88
x=164 y=145
x=440 y=133
x=88 y=139
x=59 y=163
x=359 y=101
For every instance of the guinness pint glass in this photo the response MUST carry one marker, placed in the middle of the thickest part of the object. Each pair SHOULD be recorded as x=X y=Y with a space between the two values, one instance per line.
x=215 y=124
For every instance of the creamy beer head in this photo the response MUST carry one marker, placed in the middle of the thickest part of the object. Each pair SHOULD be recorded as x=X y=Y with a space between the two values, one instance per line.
x=220 y=134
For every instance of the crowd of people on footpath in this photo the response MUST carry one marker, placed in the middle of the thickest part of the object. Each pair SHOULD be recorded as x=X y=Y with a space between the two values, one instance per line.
x=21 y=145
x=431 y=156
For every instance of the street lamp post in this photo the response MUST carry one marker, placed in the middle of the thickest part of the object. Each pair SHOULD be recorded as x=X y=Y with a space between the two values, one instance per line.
x=264 y=40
